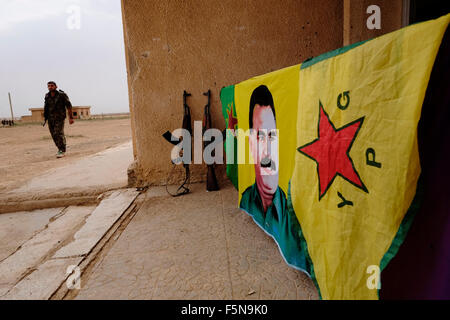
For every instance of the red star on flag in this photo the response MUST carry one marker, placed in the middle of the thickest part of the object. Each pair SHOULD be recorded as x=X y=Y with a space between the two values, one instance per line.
x=232 y=121
x=331 y=152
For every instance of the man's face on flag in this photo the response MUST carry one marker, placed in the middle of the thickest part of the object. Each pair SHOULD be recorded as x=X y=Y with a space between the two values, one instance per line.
x=264 y=148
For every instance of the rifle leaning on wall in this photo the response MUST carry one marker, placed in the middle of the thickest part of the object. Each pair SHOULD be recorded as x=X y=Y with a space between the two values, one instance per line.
x=211 y=180
x=182 y=189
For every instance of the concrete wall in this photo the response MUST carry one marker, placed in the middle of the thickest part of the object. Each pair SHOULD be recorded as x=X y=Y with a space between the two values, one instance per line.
x=197 y=45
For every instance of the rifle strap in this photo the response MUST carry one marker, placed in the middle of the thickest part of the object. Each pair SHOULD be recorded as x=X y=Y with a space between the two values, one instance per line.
x=182 y=189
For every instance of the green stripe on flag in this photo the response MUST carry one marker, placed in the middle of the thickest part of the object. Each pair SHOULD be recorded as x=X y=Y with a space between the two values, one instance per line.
x=229 y=114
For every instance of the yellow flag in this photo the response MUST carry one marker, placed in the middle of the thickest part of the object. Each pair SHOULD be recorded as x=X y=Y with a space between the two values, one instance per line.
x=357 y=162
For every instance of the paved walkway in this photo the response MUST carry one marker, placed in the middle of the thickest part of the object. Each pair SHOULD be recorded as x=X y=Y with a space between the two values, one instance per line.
x=34 y=264
x=198 y=246
x=104 y=169
x=73 y=184
x=18 y=227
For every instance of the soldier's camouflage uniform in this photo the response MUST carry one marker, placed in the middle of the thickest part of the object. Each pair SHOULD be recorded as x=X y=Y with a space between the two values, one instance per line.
x=55 y=114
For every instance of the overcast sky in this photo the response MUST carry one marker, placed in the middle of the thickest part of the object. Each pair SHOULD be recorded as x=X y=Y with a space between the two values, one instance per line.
x=42 y=40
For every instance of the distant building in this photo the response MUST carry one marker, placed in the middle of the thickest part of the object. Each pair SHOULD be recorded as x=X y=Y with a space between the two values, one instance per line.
x=37 y=114
x=81 y=112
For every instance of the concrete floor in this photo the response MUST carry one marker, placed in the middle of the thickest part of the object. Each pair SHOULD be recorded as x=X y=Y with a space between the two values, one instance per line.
x=198 y=246
x=35 y=264
x=18 y=227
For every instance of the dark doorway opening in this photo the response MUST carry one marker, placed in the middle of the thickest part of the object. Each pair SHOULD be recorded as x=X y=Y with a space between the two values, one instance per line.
x=422 y=10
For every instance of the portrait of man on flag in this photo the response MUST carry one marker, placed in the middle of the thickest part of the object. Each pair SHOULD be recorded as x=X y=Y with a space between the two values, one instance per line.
x=264 y=200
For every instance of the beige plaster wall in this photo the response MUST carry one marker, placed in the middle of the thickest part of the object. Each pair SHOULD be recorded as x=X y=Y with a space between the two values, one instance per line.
x=196 y=45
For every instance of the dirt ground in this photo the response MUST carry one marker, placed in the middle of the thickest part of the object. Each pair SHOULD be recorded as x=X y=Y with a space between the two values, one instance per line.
x=27 y=150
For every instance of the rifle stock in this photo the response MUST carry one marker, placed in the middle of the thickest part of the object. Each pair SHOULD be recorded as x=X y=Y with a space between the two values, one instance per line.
x=182 y=189
x=171 y=138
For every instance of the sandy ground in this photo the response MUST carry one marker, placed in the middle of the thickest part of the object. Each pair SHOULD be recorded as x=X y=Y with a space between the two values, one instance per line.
x=28 y=150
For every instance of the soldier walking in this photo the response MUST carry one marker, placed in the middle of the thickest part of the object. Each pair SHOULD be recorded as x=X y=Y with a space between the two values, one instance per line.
x=56 y=102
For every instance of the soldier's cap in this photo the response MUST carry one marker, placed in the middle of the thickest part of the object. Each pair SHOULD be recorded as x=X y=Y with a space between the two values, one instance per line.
x=51 y=82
